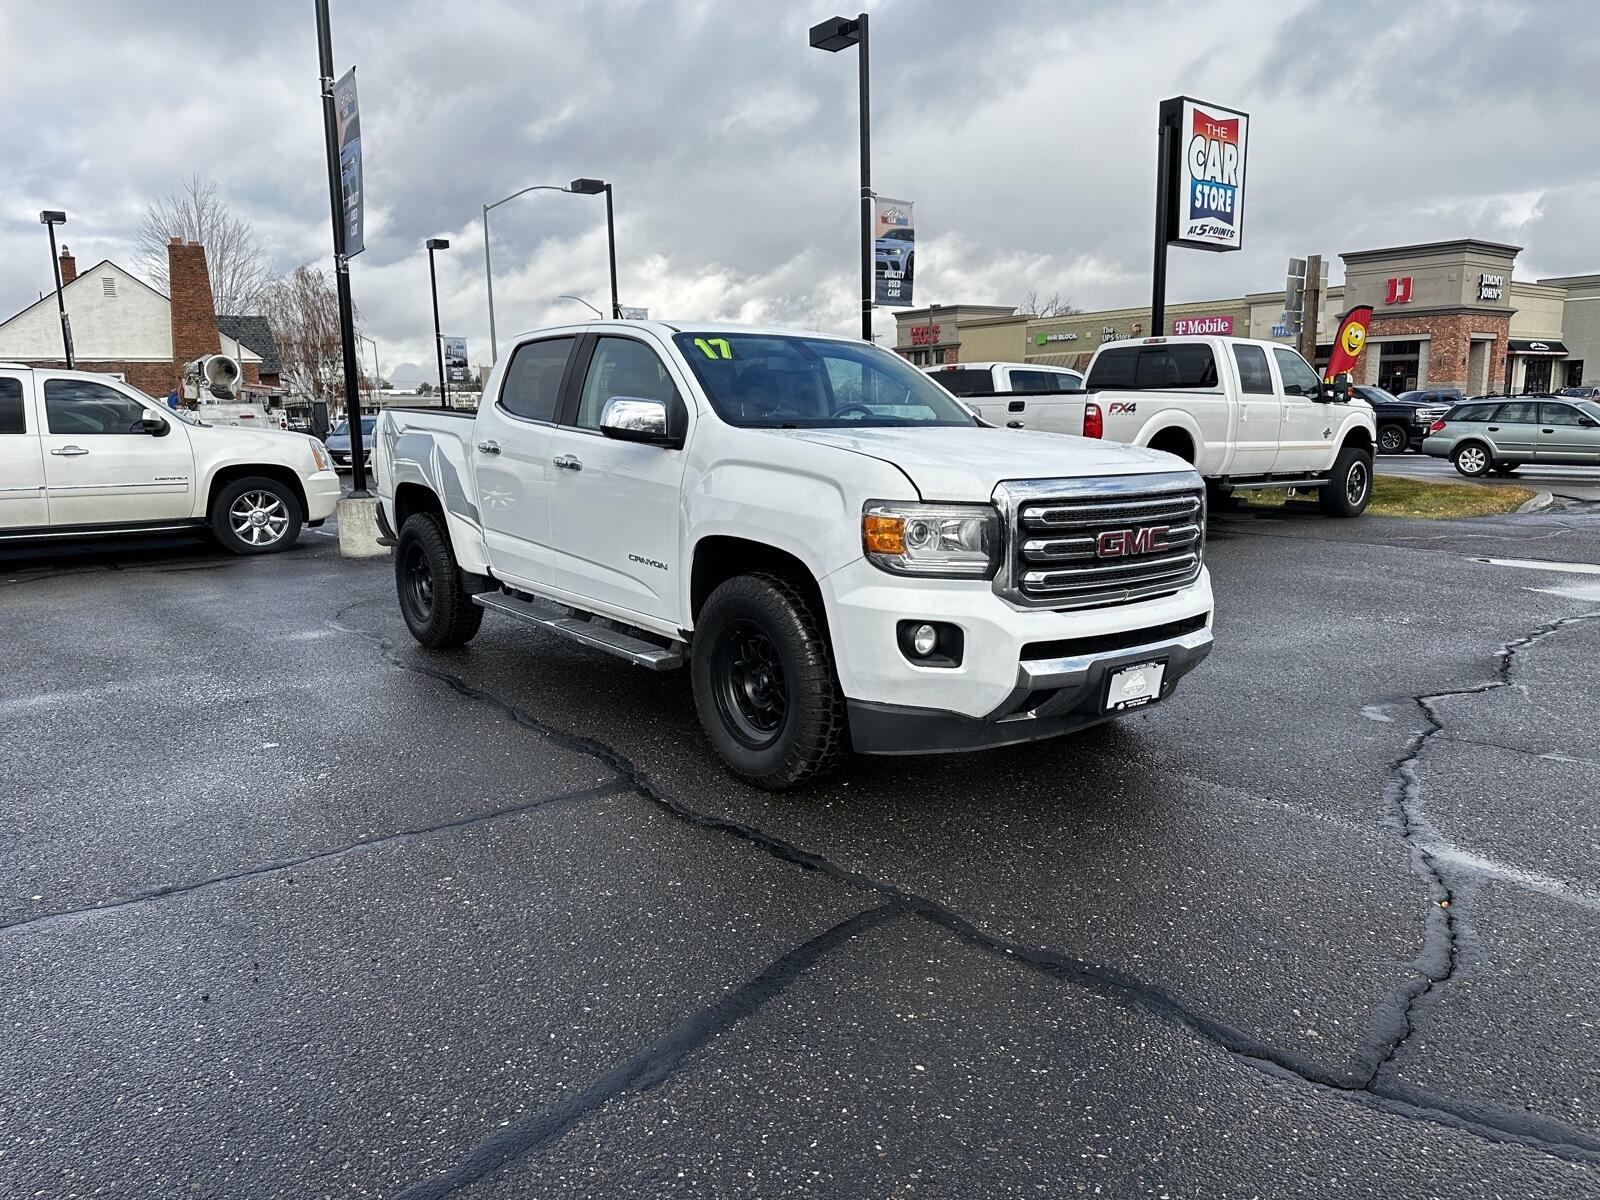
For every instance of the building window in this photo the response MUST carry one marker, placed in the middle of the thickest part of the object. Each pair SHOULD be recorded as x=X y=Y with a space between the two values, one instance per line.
x=1536 y=376
x=1399 y=364
x=1574 y=372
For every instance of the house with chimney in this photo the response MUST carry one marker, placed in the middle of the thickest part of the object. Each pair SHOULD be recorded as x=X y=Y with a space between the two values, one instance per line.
x=122 y=326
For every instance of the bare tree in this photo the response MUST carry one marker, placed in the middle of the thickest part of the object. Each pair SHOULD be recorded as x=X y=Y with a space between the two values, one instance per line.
x=1054 y=307
x=234 y=255
x=303 y=310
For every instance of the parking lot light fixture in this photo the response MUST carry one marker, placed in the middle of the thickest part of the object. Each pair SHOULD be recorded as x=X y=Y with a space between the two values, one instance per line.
x=438 y=339
x=593 y=187
x=50 y=218
x=578 y=187
x=833 y=35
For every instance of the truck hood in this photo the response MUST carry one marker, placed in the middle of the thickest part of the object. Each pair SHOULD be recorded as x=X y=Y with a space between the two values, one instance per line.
x=958 y=463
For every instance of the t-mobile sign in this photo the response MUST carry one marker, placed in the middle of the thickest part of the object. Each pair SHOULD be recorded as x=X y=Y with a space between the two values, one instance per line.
x=1214 y=325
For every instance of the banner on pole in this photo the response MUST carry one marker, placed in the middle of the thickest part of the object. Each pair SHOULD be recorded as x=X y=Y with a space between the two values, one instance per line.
x=455 y=359
x=348 y=113
x=894 y=252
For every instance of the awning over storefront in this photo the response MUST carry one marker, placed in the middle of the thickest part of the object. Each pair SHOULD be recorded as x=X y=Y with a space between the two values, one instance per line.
x=1536 y=346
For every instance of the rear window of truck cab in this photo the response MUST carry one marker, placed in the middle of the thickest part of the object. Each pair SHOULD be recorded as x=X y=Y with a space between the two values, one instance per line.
x=1168 y=367
x=966 y=381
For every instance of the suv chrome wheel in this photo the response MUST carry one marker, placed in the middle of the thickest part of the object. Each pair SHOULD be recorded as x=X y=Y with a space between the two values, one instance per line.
x=258 y=518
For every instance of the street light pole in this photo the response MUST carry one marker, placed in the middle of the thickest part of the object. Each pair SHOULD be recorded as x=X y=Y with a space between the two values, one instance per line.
x=611 y=253
x=347 y=323
x=438 y=338
x=377 y=367
x=579 y=187
x=50 y=218
x=833 y=35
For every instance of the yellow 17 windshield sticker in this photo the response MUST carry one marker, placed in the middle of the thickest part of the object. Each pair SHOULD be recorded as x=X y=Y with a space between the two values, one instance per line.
x=714 y=347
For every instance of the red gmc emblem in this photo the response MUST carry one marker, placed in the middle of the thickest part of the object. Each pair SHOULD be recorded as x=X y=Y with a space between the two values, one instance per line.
x=1120 y=543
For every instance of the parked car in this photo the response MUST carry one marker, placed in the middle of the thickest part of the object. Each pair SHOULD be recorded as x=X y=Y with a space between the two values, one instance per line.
x=85 y=455
x=895 y=253
x=339 y=441
x=1017 y=395
x=1581 y=392
x=1246 y=414
x=1500 y=434
x=1444 y=396
x=840 y=553
x=1402 y=423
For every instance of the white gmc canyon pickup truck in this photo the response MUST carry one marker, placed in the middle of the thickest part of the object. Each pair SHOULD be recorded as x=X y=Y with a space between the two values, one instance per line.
x=84 y=455
x=841 y=553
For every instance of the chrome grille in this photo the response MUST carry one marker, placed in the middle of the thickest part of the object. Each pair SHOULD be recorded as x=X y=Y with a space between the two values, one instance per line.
x=1088 y=543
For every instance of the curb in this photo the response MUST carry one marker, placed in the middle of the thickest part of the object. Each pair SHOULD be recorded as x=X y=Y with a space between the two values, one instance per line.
x=1541 y=501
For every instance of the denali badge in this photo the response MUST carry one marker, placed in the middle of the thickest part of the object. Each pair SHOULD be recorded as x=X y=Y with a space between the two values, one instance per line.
x=1119 y=543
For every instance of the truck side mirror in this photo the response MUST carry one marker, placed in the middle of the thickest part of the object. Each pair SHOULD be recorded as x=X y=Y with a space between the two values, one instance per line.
x=636 y=419
x=153 y=423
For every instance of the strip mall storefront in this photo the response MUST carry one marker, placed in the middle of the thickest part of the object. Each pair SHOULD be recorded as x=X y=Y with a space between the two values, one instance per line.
x=1445 y=314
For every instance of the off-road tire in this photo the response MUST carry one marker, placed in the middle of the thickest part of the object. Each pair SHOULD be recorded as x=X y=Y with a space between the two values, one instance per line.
x=437 y=609
x=1477 y=467
x=276 y=498
x=811 y=736
x=1349 y=487
x=1393 y=439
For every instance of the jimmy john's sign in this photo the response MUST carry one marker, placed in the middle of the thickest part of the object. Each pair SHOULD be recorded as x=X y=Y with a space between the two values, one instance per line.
x=1206 y=152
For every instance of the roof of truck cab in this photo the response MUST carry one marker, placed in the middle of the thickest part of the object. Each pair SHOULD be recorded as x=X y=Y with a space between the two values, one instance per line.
x=669 y=329
x=1184 y=338
x=986 y=366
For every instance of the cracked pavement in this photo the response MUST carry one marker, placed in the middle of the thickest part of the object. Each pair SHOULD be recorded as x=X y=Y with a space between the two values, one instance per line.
x=292 y=907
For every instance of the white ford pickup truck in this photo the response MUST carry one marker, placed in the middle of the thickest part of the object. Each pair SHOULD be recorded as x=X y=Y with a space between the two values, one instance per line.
x=84 y=455
x=839 y=551
x=1245 y=413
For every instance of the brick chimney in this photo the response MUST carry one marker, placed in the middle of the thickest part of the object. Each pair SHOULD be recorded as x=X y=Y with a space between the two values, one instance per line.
x=194 y=313
x=69 y=266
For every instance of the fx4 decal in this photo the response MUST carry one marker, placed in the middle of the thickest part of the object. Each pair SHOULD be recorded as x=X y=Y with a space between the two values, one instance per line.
x=1123 y=406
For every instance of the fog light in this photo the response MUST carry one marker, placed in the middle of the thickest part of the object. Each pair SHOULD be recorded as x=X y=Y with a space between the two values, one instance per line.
x=923 y=639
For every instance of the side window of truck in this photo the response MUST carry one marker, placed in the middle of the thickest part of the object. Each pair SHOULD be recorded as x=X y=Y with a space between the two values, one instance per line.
x=1254 y=377
x=78 y=406
x=532 y=386
x=1298 y=379
x=622 y=367
x=11 y=418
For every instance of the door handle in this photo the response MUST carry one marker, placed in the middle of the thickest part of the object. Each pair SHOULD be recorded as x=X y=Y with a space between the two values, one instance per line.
x=489 y=447
x=69 y=451
x=1494 y=429
x=1547 y=431
x=568 y=462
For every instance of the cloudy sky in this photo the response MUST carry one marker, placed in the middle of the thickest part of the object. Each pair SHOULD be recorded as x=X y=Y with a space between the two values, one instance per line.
x=1024 y=132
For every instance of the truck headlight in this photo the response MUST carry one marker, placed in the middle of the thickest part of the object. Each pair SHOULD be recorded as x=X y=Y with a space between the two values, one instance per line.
x=319 y=455
x=944 y=541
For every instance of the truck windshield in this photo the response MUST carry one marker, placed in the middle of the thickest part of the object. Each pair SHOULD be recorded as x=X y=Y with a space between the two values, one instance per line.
x=777 y=381
x=965 y=381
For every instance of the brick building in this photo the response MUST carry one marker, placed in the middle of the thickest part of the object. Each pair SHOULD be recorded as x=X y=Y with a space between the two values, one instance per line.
x=122 y=326
x=1445 y=314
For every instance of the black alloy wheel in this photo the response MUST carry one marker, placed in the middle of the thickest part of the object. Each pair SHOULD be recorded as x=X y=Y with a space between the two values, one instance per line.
x=751 y=689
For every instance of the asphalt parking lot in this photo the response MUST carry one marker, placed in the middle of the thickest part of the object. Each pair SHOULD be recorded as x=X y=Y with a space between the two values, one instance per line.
x=293 y=908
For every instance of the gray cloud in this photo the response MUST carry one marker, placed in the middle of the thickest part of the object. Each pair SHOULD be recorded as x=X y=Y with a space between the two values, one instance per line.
x=1023 y=131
